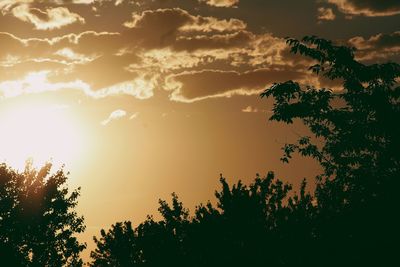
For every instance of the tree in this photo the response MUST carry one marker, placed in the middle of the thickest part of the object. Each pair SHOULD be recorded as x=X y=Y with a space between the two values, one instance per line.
x=245 y=224
x=231 y=234
x=116 y=248
x=38 y=221
x=357 y=124
x=358 y=149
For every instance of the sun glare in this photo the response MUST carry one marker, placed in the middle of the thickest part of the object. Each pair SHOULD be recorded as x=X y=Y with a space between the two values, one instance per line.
x=41 y=133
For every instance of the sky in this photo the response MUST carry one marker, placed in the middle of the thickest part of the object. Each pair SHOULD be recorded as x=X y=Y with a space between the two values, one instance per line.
x=142 y=98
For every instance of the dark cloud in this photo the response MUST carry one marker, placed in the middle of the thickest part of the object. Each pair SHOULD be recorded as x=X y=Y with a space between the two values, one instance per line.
x=326 y=14
x=378 y=47
x=239 y=39
x=102 y=72
x=194 y=86
x=160 y=28
x=369 y=8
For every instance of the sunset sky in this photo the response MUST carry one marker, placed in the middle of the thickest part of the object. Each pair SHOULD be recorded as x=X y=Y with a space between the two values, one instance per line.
x=142 y=98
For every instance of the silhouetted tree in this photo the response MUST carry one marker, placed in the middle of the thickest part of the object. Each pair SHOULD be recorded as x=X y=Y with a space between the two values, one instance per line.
x=358 y=149
x=163 y=242
x=244 y=225
x=116 y=248
x=38 y=221
x=231 y=234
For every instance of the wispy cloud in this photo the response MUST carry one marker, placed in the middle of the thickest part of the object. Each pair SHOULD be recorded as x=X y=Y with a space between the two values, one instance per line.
x=379 y=46
x=369 y=8
x=249 y=109
x=49 y=19
x=38 y=82
x=199 y=85
x=179 y=19
x=221 y=3
x=326 y=14
x=134 y=116
x=115 y=115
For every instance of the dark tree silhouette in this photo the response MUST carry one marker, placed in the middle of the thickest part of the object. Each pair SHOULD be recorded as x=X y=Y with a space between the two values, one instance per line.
x=359 y=151
x=351 y=218
x=357 y=124
x=245 y=224
x=117 y=247
x=231 y=234
x=38 y=221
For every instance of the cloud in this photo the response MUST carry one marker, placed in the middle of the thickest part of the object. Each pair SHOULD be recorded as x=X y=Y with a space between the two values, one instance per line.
x=326 y=14
x=241 y=48
x=380 y=46
x=115 y=115
x=173 y=37
x=140 y=88
x=51 y=18
x=9 y=61
x=161 y=42
x=118 y=2
x=195 y=51
x=238 y=39
x=6 y=5
x=249 y=109
x=39 y=82
x=71 y=57
x=221 y=3
x=199 y=85
x=166 y=60
x=134 y=116
x=369 y=8
x=193 y=57
x=104 y=71
x=10 y=45
x=188 y=51
x=171 y=20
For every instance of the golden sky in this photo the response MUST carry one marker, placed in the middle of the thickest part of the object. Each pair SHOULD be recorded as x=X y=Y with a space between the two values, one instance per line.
x=141 y=98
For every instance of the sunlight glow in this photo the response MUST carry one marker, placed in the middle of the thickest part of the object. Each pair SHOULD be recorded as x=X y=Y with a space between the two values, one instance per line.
x=39 y=132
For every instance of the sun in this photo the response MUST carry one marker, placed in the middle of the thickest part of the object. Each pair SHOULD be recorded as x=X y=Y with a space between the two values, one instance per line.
x=40 y=132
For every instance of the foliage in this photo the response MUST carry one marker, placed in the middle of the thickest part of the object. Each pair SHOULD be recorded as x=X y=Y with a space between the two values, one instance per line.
x=358 y=148
x=233 y=232
x=38 y=222
x=356 y=123
x=116 y=247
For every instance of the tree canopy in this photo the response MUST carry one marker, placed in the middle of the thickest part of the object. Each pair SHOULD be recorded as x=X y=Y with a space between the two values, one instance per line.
x=38 y=221
x=358 y=147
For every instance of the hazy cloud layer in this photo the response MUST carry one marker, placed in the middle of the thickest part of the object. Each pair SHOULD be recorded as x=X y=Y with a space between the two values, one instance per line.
x=194 y=53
